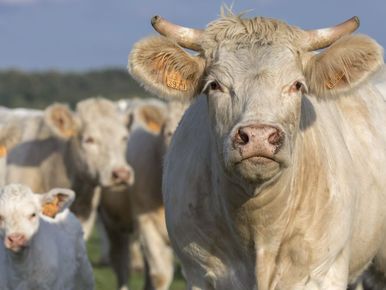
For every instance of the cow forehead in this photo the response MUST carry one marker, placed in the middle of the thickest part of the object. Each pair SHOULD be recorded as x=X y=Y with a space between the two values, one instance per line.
x=18 y=198
x=255 y=64
x=235 y=32
x=104 y=128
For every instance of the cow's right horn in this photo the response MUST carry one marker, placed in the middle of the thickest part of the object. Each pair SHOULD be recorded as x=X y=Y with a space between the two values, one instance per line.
x=321 y=38
x=184 y=36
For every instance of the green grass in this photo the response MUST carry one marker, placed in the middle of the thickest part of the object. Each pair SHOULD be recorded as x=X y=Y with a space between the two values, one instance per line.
x=105 y=278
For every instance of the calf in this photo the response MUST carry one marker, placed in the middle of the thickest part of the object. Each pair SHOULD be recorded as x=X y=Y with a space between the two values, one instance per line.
x=40 y=252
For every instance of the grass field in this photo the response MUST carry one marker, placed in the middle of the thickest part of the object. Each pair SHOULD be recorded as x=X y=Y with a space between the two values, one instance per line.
x=104 y=276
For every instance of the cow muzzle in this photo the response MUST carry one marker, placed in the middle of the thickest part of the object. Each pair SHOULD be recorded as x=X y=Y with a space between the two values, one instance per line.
x=122 y=175
x=258 y=142
x=253 y=151
x=15 y=242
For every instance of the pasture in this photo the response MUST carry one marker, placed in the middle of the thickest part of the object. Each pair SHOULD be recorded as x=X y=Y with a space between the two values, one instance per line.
x=104 y=276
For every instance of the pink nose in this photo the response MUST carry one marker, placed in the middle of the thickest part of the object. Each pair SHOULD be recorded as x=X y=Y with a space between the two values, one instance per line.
x=258 y=140
x=15 y=240
x=122 y=175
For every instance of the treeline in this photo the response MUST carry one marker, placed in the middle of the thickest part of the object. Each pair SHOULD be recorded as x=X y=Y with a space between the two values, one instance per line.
x=39 y=89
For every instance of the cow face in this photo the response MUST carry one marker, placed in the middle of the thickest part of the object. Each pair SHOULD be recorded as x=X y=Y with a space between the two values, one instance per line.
x=20 y=210
x=254 y=98
x=255 y=73
x=96 y=138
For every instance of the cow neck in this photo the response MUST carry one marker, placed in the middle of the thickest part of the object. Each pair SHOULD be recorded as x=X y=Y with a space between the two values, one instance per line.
x=284 y=228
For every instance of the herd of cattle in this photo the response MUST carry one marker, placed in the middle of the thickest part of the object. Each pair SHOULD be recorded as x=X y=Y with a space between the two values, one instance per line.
x=275 y=178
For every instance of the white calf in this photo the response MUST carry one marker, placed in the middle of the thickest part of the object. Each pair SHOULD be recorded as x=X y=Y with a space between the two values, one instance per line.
x=43 y=242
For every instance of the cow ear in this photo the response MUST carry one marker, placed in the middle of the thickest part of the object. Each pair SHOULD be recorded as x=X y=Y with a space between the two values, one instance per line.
x=56 y=201
x=343 y=66
x=61 y=120
x=10 y=136
x=165 y=69
x=153 y=117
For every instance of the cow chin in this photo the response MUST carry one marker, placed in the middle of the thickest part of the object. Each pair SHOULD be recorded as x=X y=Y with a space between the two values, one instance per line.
x=258 y=169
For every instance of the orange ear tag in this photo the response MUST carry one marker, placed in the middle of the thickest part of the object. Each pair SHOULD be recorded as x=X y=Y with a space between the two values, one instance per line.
x=154 y=127
x=175 y=81
x=334 y=81
x=3 y=151
x=51 y=209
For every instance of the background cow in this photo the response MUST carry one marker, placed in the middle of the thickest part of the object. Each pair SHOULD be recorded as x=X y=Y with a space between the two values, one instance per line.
x=152 y=123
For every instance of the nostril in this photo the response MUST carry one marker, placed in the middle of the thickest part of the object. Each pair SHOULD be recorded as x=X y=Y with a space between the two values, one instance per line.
x=243 y=137
x=276 y=138
x=115 y=175
x=16 y=238
x=121 y=175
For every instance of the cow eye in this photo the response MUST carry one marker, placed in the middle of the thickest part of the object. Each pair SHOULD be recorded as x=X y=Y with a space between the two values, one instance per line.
x=32 y=215
x=215 y=86
x=298 y=85
x=89 y=140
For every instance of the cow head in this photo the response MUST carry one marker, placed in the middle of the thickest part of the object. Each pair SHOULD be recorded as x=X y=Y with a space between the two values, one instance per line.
x=20 y=210
x=254 y=73
x=96 y=138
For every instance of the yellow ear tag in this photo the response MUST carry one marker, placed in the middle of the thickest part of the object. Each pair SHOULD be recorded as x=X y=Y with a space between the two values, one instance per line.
x=154 y=127
x=175 y=81
x=334 y=81
x=50 y=209
x=3 y=151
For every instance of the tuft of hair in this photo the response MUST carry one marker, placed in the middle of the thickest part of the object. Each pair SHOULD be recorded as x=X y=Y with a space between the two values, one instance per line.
x=235 y=31
x=166 y=69
x=343 y=66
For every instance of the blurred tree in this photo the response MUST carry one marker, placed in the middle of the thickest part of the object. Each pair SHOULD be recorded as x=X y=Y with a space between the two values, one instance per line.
x=39 y=89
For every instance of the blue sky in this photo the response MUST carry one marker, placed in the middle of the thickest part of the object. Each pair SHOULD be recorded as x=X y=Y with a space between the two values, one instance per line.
x=90 y=34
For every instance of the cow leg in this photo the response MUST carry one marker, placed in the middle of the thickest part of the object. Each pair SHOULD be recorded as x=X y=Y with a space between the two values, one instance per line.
x=158 y=254
x=104 y=259
x=119 y=256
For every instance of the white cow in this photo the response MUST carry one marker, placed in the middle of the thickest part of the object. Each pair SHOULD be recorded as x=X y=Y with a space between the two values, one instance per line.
x=275 y=178
x=140 y=206
x=41 y=252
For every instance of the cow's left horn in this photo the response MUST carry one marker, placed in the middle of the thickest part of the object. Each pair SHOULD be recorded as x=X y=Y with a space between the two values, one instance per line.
x=184 y=36
x=321 y=38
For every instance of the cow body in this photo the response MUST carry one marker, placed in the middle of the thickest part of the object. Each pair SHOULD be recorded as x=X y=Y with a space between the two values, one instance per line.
x=301 y=222
x=274 y=179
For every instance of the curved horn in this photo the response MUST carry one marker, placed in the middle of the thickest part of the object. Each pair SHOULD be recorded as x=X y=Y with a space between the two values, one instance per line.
x=186 y=37
x=321 y=38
